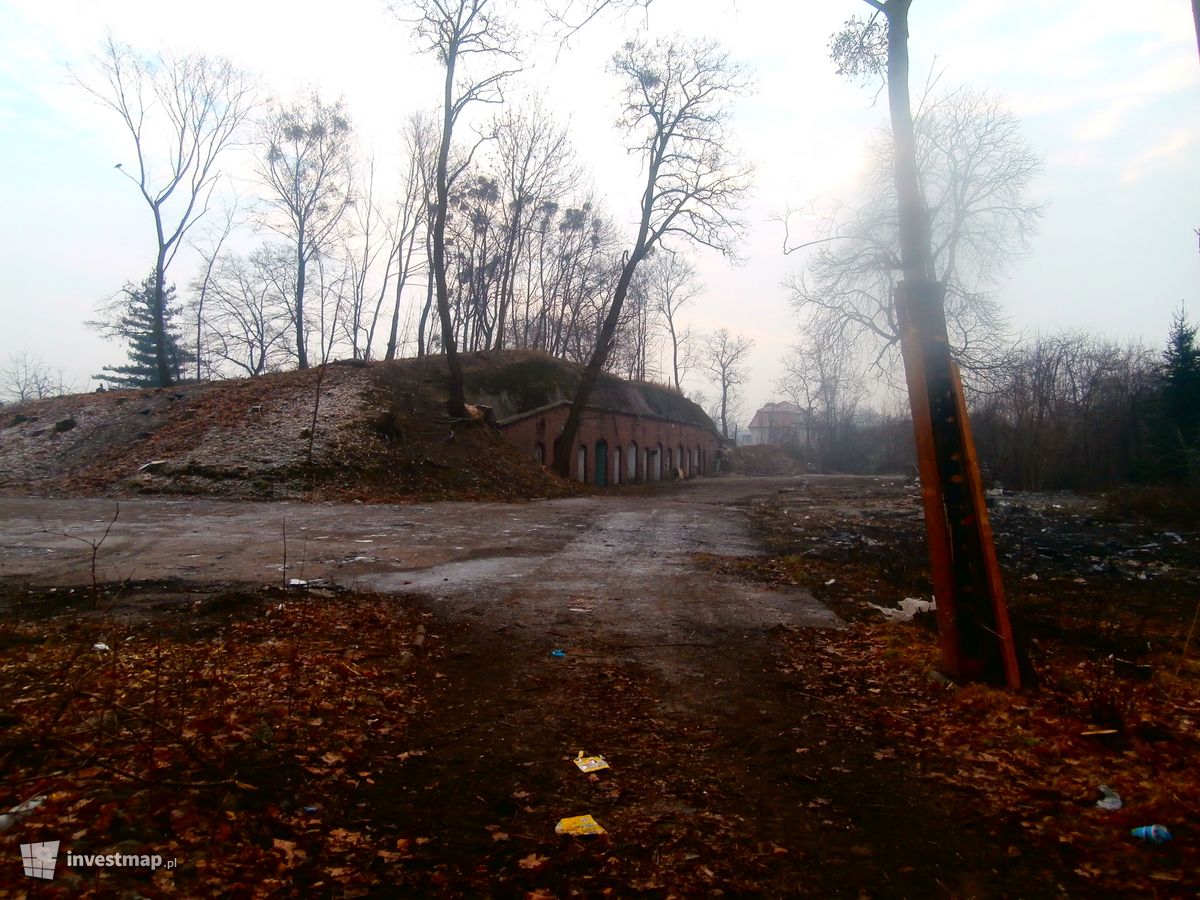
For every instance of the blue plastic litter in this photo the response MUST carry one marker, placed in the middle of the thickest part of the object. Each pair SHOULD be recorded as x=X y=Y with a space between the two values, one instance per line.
x=1154 y=834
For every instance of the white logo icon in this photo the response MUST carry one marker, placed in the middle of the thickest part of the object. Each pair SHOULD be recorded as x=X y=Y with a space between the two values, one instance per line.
x=40 y=859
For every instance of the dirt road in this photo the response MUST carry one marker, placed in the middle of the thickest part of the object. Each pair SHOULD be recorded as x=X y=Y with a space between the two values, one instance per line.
x=724 y=776
x=624 y=560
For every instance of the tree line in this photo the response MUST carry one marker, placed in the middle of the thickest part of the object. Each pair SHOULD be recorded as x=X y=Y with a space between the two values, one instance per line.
x=486 y=242
x=1070 y=410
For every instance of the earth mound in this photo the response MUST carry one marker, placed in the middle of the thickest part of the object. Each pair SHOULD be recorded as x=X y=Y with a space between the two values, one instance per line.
x=764 y=459
x=357 y=431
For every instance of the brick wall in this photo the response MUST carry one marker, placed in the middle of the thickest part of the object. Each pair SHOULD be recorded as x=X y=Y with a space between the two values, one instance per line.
x=649 y=447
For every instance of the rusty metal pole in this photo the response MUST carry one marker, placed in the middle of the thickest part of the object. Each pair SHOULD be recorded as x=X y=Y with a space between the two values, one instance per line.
x=976 y=643
x=976 y=637
x=982 y=526
x=936 y=528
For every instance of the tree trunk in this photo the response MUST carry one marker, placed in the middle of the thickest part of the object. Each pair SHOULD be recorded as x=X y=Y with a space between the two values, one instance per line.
x=456 y=403
x=1196 y=17
x=394 y=331
x=210 y=263
x=674 y=354
x=162 y=364
x=724 y=408
x=566 y=440
x=301 y=350
x=508 y=279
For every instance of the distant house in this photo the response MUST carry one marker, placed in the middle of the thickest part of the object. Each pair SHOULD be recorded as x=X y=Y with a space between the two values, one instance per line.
x=782 y=424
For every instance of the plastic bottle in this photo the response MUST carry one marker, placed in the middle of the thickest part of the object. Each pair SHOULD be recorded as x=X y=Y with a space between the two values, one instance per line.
x=1155 y=834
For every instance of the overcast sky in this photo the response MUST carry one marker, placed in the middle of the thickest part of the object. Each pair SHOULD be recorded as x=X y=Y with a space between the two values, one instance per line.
x=1107 y=92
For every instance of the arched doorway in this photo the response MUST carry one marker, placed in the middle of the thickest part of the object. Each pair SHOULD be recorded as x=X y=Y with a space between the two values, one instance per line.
x=631 y=464
x=616 y=465
x=601 y=468
x=582 y=473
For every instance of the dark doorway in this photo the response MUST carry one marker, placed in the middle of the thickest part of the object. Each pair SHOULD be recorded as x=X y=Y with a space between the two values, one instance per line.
x=601 y=462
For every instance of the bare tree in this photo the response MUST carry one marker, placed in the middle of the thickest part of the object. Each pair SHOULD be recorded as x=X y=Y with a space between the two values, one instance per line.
x=571 y=269
x=536 y=167
x=209 y=254
x=976 y=170
x=411 y=217
x=825 y=379
x=181 y=112
x=725 y=358
x=675 y=108
x=800 y=383
x=307 y=169
x=570 y=16
x=247 y=314
x=673 y=285
x=635 y=341
x=27 y=377
x=457 y=31
x=474 y=242
x=331 y=286
x=363 y=245
x=1067 y=410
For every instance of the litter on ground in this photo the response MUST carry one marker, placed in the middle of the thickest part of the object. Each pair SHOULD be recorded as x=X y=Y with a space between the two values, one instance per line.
x=591 y=763
x=909 y=607
x=579 y=825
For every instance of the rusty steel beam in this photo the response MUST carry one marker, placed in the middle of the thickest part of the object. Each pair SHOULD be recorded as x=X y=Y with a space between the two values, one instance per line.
x=987 y=544
x=936 y=529
x=976 y=640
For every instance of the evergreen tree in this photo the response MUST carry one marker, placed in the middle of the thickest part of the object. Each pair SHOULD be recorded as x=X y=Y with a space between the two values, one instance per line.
x=131 y=318
x=1180 y=386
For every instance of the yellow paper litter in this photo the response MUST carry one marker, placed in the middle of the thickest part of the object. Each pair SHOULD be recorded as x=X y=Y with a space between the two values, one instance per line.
x=579 y=825
x=590 y=763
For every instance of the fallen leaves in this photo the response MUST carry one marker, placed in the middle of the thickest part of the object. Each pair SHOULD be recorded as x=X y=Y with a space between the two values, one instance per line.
x=214 y=730
x=1023 y=756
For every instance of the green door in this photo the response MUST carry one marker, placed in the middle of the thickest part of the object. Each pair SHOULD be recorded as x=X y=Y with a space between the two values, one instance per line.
x=601 y=462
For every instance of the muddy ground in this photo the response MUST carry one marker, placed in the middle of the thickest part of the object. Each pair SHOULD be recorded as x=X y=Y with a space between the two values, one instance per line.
x=754 y=739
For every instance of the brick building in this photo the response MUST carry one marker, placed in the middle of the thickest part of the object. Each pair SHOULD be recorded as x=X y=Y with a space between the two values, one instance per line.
x=632 y=432
x=618 y=446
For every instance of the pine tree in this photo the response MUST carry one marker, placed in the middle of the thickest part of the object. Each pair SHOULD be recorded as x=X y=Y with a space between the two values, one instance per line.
x=1180 y=385
x=131 y=318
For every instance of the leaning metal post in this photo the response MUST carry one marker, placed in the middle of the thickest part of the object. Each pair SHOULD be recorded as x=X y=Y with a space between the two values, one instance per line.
x=976 y=639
